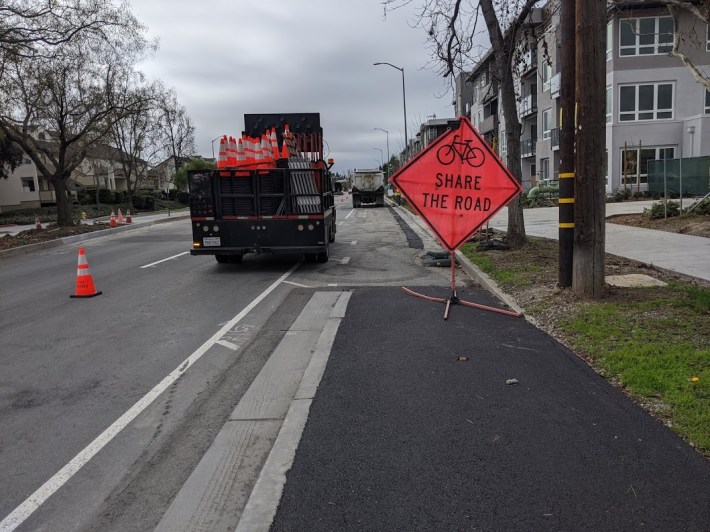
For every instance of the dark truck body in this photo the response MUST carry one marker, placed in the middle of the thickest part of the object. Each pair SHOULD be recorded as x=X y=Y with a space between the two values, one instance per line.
x=286 y=209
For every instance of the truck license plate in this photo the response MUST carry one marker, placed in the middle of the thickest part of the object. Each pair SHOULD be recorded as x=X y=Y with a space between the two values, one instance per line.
x=211 y=241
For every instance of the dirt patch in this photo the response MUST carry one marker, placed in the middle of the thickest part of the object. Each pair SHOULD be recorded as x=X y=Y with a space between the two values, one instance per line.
x=687 y=225
x=51 y=232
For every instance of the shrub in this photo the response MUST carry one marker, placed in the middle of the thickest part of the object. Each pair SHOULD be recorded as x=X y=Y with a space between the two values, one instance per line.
x=659 y=210
x=106 y=196
x=183 y=197
x=703 y=208
x=120 y=196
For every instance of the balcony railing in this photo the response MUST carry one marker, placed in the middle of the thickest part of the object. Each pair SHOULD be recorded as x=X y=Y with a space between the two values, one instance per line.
x=528 y=62
x=527 y=147
x=528 y=105
x=555 y=137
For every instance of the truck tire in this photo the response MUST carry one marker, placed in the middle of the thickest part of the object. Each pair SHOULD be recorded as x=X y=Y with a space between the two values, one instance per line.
x=331 y=233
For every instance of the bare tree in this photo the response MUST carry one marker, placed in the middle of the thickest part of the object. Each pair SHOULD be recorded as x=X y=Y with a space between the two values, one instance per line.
x=178 y=130
x=56 y=109
x=138 y=134
x=453 y=31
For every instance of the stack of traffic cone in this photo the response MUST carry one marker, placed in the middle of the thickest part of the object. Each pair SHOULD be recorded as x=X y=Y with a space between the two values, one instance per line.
x=84 y=282
x=112 y=221
x=38 y=225
x=128 y=217
x=121 y=221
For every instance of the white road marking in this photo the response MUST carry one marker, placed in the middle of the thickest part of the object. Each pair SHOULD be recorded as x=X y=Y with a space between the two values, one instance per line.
x=163 y=260
x=350 y=213
x=297 y=284
x=345 y=260
x=353 y=242
x=228 y=345
x=332 y=284
x=20 y=514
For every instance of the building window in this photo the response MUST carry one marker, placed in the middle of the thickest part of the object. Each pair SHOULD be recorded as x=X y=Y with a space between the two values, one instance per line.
x=707 y=38
x=634 y=162
x=544 y=169
x=503 y=143
x=546 y=124
x=707 y=102
x=28 y=185
x=608 y=105
x=546 y=75
x=645 y=36
x=652 y=101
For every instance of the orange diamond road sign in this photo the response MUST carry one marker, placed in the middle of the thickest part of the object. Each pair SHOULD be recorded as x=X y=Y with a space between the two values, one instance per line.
x=457 y=184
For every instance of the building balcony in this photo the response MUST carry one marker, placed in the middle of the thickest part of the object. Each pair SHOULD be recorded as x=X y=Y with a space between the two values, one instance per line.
x=488 y=125
x=555 y=138
x=527 y=106
x=527 y=148
x=555 y=86
x=528 y=62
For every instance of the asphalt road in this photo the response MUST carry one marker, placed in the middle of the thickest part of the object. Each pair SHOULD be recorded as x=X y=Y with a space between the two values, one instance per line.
x=76 y=374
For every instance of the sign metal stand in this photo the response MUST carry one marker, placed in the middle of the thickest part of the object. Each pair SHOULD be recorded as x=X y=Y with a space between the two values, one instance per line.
x=454 y=299
x=456 y=185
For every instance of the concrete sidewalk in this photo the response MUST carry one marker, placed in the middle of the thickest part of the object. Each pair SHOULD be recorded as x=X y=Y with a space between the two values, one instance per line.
x=685 y=255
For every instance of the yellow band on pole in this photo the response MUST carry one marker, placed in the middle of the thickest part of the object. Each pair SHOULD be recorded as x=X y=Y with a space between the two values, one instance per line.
x=566 y=175
x=567 y=225
x=566 y=200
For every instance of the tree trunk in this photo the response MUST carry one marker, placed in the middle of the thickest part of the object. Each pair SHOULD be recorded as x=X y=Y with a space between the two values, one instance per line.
x=516 y=223
x=589 y=223
x=502 y=50
x=65 y=214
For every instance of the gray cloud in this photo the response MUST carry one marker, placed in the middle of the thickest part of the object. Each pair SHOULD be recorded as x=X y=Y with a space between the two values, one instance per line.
x=226 y=58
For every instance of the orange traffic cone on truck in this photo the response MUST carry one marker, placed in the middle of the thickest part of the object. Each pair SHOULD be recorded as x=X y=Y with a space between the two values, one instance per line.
x=84 y=282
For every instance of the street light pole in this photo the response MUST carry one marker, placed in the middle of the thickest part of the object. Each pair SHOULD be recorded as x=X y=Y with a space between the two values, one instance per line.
x=382 y=164
x=213 y=144
x=388 y=149
x=404 y=102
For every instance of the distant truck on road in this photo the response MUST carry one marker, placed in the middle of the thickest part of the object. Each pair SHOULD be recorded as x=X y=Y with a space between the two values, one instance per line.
x=368 y=187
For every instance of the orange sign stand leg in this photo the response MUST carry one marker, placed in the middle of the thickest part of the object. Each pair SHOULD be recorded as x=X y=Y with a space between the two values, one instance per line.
x=454 y=299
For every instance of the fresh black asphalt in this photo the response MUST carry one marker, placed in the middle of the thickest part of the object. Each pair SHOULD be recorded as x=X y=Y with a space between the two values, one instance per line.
x=405 y=435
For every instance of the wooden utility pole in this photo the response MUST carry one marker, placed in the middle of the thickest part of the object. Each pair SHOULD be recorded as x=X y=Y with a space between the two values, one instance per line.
x=588 y=267
x=566 y=125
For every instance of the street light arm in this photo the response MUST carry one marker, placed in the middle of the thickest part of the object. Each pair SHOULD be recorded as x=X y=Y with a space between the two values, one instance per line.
x=390 y=64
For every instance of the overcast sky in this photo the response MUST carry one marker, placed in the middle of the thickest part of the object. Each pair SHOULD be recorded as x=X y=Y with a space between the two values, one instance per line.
x=227 y=58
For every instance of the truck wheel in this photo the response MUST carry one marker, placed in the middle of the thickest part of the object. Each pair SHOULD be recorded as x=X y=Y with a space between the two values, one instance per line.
x=331 y=233
x=323 y=256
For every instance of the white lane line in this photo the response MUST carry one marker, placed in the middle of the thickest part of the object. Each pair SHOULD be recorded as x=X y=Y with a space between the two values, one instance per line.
x=163 y=260
x=332 y=284
x=34 y=501
x=353 y=242
x=350 y=213
x=345 y=260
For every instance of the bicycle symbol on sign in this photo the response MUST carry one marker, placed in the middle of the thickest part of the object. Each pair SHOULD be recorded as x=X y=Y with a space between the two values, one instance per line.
x=467 y=153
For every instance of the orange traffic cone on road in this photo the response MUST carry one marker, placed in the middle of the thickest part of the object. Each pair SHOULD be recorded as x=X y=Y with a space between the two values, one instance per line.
x=112 y=222
x=84 y=282
x=128 y=217
x=121 y=221
x=38 y=225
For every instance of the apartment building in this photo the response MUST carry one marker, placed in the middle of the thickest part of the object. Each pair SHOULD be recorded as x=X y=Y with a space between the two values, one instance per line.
x=655 y=108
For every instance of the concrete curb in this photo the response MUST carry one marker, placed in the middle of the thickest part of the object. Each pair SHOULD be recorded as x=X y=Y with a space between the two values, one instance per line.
x=29 y=248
